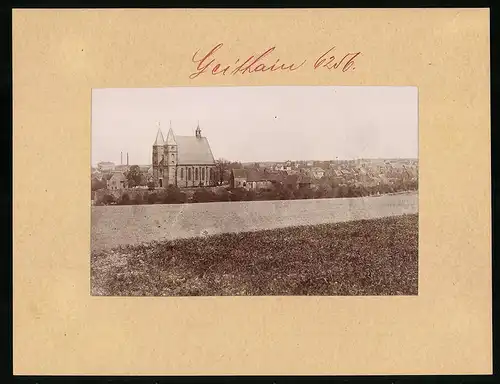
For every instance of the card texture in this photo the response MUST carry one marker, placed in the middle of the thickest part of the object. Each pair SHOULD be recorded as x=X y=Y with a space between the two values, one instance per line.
x=60 y=56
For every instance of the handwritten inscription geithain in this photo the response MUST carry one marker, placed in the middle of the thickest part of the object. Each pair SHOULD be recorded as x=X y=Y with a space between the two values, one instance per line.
x=266 y=61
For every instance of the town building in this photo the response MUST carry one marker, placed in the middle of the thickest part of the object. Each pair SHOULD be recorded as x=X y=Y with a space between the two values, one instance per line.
x=105 y=166
x=317 y=172
x=255 y=179
x=238 y=178
x=286 y=166
x=183 y=161
x=117 y=180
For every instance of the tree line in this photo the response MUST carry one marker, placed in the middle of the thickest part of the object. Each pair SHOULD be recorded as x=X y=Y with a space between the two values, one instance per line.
x=174 y=195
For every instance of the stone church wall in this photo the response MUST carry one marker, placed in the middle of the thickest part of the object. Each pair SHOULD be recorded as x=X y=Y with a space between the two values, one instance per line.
x=195 y=176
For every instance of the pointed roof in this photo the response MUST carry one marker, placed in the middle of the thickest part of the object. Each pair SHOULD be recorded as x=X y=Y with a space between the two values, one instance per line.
x=171 y=137
x=159 y=138
x=239 y=173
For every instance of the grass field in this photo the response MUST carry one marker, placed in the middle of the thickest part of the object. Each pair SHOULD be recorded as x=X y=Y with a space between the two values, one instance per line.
x=114 y=226
x=365 y=257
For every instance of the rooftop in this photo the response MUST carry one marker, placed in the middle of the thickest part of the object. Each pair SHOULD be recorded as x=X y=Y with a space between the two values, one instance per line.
x=193 y=150
x=190 y=149
x=159 y=138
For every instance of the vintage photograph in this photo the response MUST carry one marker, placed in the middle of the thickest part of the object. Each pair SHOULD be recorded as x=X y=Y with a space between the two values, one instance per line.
x=254 y=191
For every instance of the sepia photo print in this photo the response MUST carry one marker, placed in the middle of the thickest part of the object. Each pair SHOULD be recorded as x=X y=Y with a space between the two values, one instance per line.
x=254 y=191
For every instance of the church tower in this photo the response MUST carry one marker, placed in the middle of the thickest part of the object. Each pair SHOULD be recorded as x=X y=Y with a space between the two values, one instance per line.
x=158 y=156
x=171 y=158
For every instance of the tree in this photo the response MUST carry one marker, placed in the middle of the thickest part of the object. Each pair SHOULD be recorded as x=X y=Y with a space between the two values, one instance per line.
x=151 y=186
x=108 y=199
x=344 y=191
x=221 y=168
x=152 y=198
x=203 y=195
x=238 y=194
x=97 y=184
x=125 y=199
x=324 y=191
x=304 y=193
x=223 y=195
x=251 y=195
x=173 y=195
x=336 y=191
x=138 y=199
x=134 y=176
x=284 y=192
x=144 y=179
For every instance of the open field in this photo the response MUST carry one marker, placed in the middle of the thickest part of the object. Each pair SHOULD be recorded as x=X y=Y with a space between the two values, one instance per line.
x=364 y=257
x=114 y=226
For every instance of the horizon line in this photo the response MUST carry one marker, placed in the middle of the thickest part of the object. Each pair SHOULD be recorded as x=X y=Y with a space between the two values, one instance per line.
x=284 y=161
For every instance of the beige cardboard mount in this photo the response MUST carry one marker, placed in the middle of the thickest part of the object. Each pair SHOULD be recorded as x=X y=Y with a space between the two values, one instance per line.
x=59 y=329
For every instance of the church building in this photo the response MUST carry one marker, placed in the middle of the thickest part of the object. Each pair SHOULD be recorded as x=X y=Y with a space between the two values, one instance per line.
x=183 y=161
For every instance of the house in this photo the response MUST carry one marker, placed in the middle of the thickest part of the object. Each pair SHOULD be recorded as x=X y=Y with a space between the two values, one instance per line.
x=106 y=177
x=317 y=172
x=96 y=174
x=254 y=178
x=257 y=179
x=337 y=173
x=105 y=166
x=117 y=180
x=297 y=181
x=238 y=178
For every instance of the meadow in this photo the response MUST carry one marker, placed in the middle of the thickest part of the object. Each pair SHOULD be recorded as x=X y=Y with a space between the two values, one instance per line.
x=357 y=257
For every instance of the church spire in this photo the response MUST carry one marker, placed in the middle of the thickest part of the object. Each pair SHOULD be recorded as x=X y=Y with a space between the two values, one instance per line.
x=159 y=136
x=170 y=136
x=198 y=130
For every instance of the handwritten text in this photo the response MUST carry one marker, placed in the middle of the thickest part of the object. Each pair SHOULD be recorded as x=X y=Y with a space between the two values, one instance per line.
x=207 y=63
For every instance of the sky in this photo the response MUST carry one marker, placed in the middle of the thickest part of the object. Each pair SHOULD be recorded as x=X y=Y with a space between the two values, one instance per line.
x=258 y=124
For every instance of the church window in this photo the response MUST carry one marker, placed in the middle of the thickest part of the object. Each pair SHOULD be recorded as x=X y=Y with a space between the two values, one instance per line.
x=196 y=173
x=189 y=174
x=203 y=173
x=182 y=173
